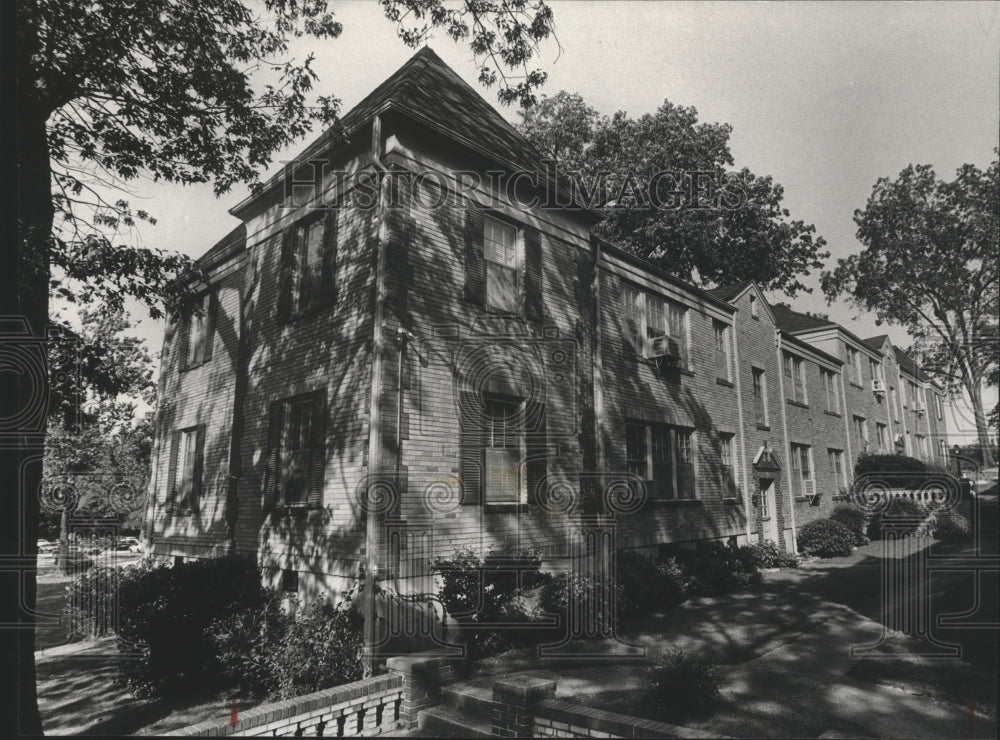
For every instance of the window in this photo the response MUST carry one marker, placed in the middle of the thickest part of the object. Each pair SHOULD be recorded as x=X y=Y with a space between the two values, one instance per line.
x=882 y=436
x=875 y=367
x=296 y=451
x=185 y=471
x=754 y=308
x=504 y=450
x=939 y=405
x=854 y=362
x=721 y=350
x=795 y=377
x=730 y=486
x=801 y=470
x=861 y=431
x=500 y=248
x=646 y=316
x=943 y=451
x=307 y=265
x=289 y=581
x=921 y=447
x=760 y=395
x=663 y=455
x=197 y=331
x=897 y=404
x=832 y=390
x=837 y=469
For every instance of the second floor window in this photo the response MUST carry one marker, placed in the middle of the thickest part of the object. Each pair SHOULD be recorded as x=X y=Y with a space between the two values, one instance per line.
x=883 y=437
x=721 y=350
x=308 y=262
x=197 y=333
x=502 y=255
x=854 y=363
x=760 y=396
x=795 y=378
x=832 y=390
x=646 y=316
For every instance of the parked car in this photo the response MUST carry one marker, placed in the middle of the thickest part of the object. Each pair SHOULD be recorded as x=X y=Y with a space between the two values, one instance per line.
x=45 y=547
x=131 y=544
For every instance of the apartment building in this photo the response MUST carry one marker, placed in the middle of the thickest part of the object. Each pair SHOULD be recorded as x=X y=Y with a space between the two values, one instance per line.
x=413 y=343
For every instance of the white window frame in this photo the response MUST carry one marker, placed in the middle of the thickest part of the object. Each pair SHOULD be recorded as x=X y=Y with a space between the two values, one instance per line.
x=763 y=392
x=726 y=353
x=673 y=313
x=517 y=267
x=522 y=449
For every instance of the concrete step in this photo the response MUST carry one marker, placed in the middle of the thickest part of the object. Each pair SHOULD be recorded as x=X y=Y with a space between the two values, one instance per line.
x=445 y=721
x=472 y=700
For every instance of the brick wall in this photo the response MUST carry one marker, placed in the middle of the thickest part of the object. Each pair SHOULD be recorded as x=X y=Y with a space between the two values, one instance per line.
x=362 y=708
x=693 y=398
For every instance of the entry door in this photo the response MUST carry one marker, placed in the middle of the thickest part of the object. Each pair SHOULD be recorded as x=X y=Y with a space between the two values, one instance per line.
x=769 y=521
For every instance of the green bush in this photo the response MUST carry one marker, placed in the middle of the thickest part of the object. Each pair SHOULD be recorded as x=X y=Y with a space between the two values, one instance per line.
x=682 y=685
x=481 y=590
x=855 y=519
x=825 y=538
x=321 y=647
x=767 y=554
x=905 y=514
x=166 y=612
x=647 y=585
x=245 y=643
x=716 y=568
x=950 y=525
x=579 y=591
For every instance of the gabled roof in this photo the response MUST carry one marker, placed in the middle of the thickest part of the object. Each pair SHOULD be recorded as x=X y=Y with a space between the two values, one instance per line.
x=794 y=322
x=907 y=364
x=232 y=243
x=728 y=292
x=428 y=91
x=877 y=342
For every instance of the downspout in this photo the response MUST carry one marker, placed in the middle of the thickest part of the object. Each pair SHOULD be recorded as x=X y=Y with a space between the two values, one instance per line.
x=369 y=576
x=597 y=362
x=784 y=429
x=743 y=441
x=847 y=420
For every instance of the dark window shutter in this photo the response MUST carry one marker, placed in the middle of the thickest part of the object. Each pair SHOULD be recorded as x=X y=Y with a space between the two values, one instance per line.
x=318 y=447
x=328 y=281
x=175 y=441
x=213 y=310
x=471 y=448
x=199 y=467
x=475 y=264
x=271 y=473
x=537 y=463
x=286 y=273
x=532 y=274
x=183 y=337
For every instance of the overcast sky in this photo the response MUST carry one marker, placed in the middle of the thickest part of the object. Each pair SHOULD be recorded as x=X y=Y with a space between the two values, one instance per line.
x=825 y=97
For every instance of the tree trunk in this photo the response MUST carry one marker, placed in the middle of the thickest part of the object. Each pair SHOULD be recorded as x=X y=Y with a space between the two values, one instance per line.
x=975 y=392
x=35 y=214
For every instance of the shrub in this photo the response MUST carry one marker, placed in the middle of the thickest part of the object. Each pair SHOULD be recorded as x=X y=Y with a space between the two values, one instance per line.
x=91 y=601
x=646 y=585
x=321 y=647
x=825 y=538
x=581 y=591
x=716 y=568
x=478 y=590
x=949 y=525
x=766 y=554
x=246 y=642
x=166 y=613
x=904 y=513
x=855 y=519
x=682 y=685
x=901 y=471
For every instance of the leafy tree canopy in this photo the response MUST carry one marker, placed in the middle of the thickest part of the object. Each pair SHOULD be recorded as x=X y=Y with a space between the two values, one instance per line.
x=930 y=264
x=714 y=228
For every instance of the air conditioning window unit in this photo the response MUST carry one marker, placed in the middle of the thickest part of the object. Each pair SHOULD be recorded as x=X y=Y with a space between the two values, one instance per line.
x=878 y=387
x=663 y=348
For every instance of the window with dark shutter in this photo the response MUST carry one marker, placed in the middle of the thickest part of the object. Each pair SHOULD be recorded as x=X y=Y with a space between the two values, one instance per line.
x=537 y=463
x=503 y=451
x=475 y=269
x=272 y=472
x=533 y=300
x=317 y=464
